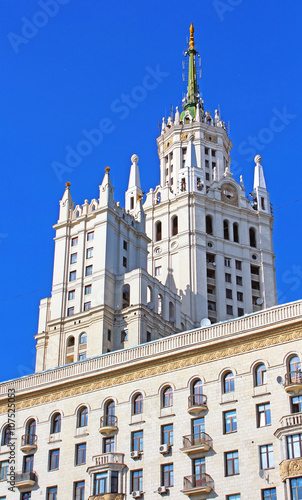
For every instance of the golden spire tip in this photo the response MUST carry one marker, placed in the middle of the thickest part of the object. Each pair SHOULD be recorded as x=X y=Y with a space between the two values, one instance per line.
x=191 y=36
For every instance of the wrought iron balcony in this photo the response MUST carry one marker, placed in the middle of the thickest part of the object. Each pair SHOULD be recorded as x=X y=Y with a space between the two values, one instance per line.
x=197 y=403
x=198 y=483
x=29 y=442
x=197 y=442
x=26 y=479
x=108 y=424
x=293 y=381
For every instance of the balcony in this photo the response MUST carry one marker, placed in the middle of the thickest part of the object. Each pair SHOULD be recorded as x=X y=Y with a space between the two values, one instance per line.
x=28 y=443
x=197 y=403
x=292 y=422
x=26 y=479
x=199 y=442
x=293 y=381
x=106 y=459
x=108 y=424
x=199 y=483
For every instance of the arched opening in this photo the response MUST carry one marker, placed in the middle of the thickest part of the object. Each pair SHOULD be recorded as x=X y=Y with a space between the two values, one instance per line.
x=197 y=392
x=174 y=225
x=209 y=224
x=294 y=366
x=70 y=342
x=228 y=383
x=82 y=420
x=83 y=338
x=160 y=304
x=236 y=232
x=138 y=404
x=183 y=184
x=226 y=233
x=126 y=296
x=109 y=410
x=6 y=435
x=171 y=312
x=260 y=375
x=167 y=397
x=158 y=231
x=149 y=294
x=55 y=423
x=252 y=237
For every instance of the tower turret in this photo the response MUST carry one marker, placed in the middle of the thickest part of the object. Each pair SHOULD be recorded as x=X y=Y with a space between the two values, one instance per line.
x=134 y=186
x=66 y=204
x=260 y=193
x=106 y=189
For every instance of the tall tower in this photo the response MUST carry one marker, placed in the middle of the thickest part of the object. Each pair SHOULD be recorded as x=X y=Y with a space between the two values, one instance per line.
x=209 y=243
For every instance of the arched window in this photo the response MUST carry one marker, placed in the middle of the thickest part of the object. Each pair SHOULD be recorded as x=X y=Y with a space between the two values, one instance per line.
x=82 y=420
x=110 y=407
x=226 y=233
x=55 y=423
x=83 y=338
x=149 y=294
x=209 y=224
x=126 y=296
x=31 y=427
x=6 y=435
x=138 y=404
x=174 y=225
x=228 y=382
x=236 y=232
x=158 y=231
x=167 y=397
x=294 y=366
x=252 y=237
x=171 y=312
x=197 y=392
x=70 y=342
x=160 y=304
x=260 y=375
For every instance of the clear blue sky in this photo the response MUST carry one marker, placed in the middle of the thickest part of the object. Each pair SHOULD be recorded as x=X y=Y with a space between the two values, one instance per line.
x=67 y=66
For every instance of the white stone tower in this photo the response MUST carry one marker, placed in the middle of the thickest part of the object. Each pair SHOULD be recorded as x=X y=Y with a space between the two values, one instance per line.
x=209 y=243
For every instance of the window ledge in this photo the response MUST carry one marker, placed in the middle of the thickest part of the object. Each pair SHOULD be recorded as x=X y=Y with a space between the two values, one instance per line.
x=231 y=401
x=81 y=435
x=138 y=422
x=168 y=415
x=264 y=393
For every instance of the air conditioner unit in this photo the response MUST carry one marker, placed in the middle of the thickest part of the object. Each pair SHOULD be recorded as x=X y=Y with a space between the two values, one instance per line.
x=164 y=448
x=136 y=494
x=162 y=489
x=134 y=454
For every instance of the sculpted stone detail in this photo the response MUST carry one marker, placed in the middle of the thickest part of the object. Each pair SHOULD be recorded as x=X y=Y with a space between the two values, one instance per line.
x=168 y=143
x=290 y=468
x=184 y=136
x=188 y=359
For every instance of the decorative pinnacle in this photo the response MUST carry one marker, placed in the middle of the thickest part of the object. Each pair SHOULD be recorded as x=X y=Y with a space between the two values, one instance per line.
x=191 y=36
x=68 y=184
x=107 y=170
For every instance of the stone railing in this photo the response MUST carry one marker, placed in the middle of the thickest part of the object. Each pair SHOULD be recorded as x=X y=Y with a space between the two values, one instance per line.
x=109 y=458
x=268 y=318
x=289 y=420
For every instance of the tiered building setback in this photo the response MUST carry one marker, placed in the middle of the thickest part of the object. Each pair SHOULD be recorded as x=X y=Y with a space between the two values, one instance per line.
x=164 y=367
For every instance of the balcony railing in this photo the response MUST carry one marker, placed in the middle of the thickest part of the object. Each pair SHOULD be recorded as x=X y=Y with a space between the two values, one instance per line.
x=108 y=421
x=109 y=458
x=29 y=439
x=197 y=401
x=293 y=381
x=26 y=479
x=200 y=440
x=290 y=420
x=198 y=482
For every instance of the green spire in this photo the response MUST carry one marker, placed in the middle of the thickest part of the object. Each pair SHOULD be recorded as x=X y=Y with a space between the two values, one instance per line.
x=192 y=98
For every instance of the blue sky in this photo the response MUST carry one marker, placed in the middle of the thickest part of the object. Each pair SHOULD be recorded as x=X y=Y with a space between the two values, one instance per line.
x=68 y=65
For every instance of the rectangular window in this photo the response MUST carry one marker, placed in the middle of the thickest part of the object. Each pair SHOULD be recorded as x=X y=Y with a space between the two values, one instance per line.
x=73 y=258
x=229 y=309
x=255 y=270
x=125 y=245
x=54 y=457
x=79 y=490
x=90 y=236
x=231 y=463
x=167 y=475
x=294 y=446
x=239 y=280
x=109 y=335
x=26 y=495
x=51 y=493
x=158 y=270
x=72 y=275
x=89 y=253
x=125 y=261
x=206 y=151
x=88 y=271
x=255 y=285
x=228 y=293
x=74 y=241
x=124 y=335
x=266 y=456
x=263 y=415
x=108 y=444
x=238 y=265
x=28 y=463
x=82 y=356
x=70 y=311
x=227 y=262
x=213 y=164
x=100 y=483
x=207 y=176
x=269 y=494
x=3 y=470
x=230 y=421
x=137 y=441
x=211 y=305
x=149 y=336
x=228 y=278
x=240 y=311
x=240 y=296
x=207 y=163
x=167 y=434
x=87 y=306
x=237 y=496
x=296 y=404
x=137 y=480
x=88 y=289
x=296 y=488
x=71 y=294
x=80 y=454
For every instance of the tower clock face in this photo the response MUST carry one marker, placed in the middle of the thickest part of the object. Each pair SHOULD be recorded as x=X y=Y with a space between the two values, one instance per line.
x=229 y=194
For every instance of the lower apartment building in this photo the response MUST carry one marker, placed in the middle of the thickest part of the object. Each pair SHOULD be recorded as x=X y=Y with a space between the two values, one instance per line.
x=214 y=412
